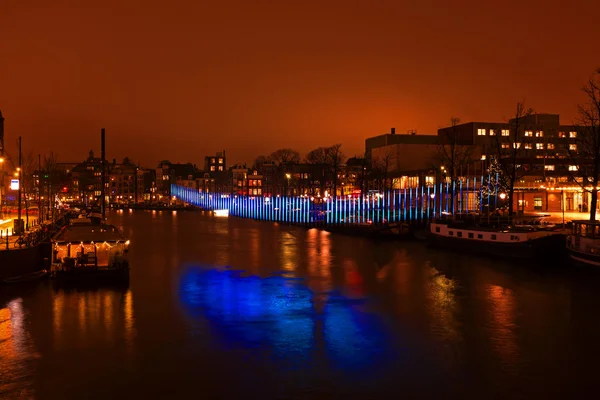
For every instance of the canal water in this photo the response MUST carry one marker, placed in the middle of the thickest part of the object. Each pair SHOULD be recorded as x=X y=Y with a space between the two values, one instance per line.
x=232 y=308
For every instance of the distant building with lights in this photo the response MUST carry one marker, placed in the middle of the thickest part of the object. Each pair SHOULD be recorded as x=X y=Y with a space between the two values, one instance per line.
x=547 y=149
x=216 y=163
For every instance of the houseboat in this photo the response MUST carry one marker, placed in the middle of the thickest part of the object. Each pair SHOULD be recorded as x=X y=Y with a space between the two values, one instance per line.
x=583 y=244
x=89 y=249
x=533 y=242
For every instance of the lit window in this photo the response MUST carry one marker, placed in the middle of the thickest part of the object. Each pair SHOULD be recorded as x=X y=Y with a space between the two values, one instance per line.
x=572 y=134
x=481 y=132
x=220 y=161
x=212 y=167
x=539 y=146
x=528 y=146
x=572 y=146
x=539 y=133
x=549 y=167
x=505 y=132
x=492 y=132
x=550 y=146
x=220 y=168
x=572 y=167
x=516 y=145
x=529 y=133
x=505 y=145
x=562 y=134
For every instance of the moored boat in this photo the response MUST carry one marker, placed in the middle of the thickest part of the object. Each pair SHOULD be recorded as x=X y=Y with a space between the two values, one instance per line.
x=88 y=249
x=583 y=244
x=522 y=242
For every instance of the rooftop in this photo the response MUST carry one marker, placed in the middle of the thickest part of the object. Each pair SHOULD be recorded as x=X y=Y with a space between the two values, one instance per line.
x=89 y=233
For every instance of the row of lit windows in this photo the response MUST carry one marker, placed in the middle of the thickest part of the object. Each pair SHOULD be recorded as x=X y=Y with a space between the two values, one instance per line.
x=538 y=146
x=492 y=132
x=212 y=160
x=213 y=168
x=506 y=132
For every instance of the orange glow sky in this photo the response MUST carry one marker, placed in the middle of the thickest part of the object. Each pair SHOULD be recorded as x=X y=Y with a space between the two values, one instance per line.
x=182 y=79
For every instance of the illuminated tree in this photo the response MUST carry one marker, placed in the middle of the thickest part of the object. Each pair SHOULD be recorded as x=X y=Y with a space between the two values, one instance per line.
x=494 y=185
x=587 y=153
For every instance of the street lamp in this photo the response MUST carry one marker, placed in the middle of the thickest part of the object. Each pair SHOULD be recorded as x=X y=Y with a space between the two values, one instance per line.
x=502 y=196
x=1 y=182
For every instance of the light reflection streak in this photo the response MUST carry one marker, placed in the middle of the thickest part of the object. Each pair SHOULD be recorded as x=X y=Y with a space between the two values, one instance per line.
x=15 y=352
x=442 y=306
x=288 y=252
x=92 y=317
x=129 y=319
x=503 y=316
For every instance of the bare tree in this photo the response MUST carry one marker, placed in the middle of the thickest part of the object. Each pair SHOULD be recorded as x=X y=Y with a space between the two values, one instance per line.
x=285 y=156
x=259 y=162
x=452 y=154
x=28 y=183
x=511 y=151
x=587 y=153
x=50 y=169
x=318 y=158
x=383 y=165
x=335 y=159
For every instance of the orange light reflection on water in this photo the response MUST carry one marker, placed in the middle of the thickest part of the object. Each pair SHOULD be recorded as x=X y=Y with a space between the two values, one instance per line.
x=503 y=323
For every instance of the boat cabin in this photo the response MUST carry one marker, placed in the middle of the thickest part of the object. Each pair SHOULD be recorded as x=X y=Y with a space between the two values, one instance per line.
x=84 y=244
x=584 y=242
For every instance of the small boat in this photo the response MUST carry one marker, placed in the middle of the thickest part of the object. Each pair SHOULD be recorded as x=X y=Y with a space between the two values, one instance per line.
x=533 y=242
x=37 y=275
x=583 y=244
x=88 y=249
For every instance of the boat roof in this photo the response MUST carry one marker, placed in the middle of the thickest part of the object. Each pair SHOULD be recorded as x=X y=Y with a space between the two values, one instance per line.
x=89 y=233
x=585 y=221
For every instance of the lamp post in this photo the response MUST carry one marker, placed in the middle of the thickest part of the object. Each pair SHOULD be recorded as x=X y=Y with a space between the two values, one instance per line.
x=287 y=183
x=1 y=182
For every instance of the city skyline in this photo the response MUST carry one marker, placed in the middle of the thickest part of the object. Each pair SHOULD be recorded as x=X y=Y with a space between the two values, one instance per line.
x=184 y=82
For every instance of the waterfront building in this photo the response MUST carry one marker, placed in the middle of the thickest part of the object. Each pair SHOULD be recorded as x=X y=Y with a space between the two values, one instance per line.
x=216 y=163
x=168 y=173
x=546 y=146
x=402 y=161
x=122 y=182
x=87 y=179
x=146 y=185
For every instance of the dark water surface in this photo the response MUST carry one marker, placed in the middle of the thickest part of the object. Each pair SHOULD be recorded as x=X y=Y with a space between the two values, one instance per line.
x=230 y=308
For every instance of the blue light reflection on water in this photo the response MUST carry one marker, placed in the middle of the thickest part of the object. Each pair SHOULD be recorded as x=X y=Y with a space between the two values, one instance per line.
x=278 y=314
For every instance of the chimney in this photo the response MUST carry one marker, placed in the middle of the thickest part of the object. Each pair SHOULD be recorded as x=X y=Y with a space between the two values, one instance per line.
x=393 y=131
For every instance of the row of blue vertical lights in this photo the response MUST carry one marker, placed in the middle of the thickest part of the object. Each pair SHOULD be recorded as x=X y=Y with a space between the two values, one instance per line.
x=415 y=204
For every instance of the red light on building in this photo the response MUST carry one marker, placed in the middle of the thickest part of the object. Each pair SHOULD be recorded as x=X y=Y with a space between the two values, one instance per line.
x=65 y=189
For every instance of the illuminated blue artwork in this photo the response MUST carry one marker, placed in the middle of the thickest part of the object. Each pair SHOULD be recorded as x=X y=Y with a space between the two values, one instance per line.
x=420 y=204
x=279 y=315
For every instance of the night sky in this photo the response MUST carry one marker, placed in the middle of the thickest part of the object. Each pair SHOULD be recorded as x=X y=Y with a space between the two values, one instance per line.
x=182 y=79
